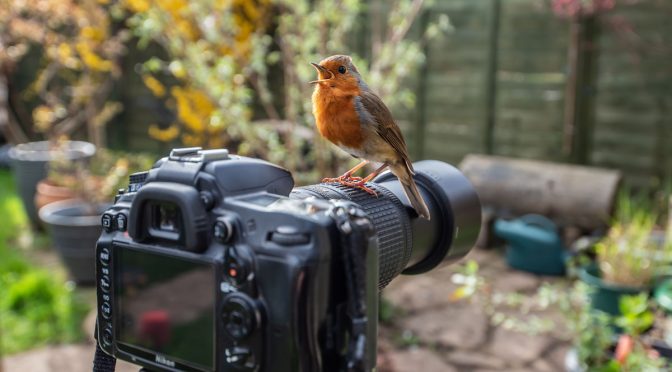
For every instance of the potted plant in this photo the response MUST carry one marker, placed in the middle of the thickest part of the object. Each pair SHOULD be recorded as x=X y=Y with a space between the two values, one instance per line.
x=74 y=224
x=598 y=348
x=29 y=164
x=627 y=260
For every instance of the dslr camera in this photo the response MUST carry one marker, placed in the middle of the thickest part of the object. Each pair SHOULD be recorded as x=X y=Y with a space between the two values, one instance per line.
x=215 y=262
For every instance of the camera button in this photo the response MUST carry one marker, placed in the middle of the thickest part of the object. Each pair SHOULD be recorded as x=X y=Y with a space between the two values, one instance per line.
x=106 y=221
x=107 y=336
x=121 y=220
x=104 y=256
x=222 y=230
x=289 y=235
x=105 y=283
x=240 y=357
x=106 y=310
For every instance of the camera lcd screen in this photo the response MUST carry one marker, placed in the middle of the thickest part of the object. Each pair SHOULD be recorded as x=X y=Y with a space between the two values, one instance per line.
x=165 y=306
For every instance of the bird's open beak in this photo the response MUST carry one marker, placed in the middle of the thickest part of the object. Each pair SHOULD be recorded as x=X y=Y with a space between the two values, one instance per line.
x=321 y=70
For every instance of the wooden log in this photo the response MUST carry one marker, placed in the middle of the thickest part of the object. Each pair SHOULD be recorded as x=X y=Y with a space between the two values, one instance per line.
x=570 y=195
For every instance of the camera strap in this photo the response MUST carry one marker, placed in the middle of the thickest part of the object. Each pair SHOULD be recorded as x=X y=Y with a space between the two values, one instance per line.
x=102 y=362
x=355 y=229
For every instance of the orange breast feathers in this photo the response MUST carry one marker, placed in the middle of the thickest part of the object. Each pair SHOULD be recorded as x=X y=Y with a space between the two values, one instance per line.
x=337 y=119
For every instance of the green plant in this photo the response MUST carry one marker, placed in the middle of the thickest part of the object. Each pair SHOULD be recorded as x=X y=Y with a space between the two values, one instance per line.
x=636 y=316
x=632 y=354
x=36 y=305
x=628 y=255
x=36 y=309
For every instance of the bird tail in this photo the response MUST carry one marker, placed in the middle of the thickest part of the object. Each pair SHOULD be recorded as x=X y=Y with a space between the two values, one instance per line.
x=404 y=174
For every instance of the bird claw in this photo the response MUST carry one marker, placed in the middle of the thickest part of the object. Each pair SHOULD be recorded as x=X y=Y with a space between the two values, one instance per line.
x=342 y=179
x=359 y=185
x=351 y=181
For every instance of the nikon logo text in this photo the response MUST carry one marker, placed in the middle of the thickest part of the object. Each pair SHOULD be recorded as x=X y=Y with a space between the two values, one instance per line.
x=165 y=361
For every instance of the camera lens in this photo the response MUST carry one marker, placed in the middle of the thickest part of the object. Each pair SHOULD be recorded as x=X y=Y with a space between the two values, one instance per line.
x=408 y=244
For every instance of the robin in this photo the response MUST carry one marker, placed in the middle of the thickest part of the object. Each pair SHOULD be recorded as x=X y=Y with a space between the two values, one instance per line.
x=355 y=119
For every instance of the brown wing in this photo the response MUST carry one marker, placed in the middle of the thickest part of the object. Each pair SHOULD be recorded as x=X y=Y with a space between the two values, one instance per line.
x=373 y=111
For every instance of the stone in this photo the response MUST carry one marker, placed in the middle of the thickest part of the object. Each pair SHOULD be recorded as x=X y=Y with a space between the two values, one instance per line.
x=470 y=360
x=454 y=326
x=557 y=354
x=484 y=257
x=418 y=293
x=385 y=349
x=518 y=348
x=515 y=281
x=543 y=365
x=62 y=358
x=418 y=359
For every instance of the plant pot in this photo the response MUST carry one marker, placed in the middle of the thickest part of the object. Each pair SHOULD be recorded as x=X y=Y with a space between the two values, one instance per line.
x=48 y=193
x=74 y=230
x=29 y=163
x=606 y=296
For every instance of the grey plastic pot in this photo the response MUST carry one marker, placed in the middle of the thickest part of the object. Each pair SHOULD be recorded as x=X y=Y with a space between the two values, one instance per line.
x=29 y=164
x=74 y=230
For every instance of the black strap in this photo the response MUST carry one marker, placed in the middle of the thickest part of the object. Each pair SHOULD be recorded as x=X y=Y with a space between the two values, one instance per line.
x=355 y=230
x=102 y=362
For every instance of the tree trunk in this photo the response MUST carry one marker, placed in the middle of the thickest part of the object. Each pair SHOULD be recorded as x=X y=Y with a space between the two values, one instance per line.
x=8 y=126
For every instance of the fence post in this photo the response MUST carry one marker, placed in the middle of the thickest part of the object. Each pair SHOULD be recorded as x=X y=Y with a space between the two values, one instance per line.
x=491 y=78
x=421 y=93
x=580 y=89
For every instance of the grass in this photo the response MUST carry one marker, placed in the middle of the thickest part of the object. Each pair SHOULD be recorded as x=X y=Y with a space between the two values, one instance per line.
x=37 y=306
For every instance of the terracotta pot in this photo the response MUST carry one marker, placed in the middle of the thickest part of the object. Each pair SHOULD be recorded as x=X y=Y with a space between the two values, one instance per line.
x=47 y=193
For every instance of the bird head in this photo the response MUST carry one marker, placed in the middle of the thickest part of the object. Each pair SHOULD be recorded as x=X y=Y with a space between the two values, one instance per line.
x=338 y=74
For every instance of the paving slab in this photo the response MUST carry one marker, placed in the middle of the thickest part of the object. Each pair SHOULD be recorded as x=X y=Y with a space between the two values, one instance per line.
x=62 y=358
x=518 y=348
x=418 y=293
x=418 y=359
x=457 y=325
x=470 y=360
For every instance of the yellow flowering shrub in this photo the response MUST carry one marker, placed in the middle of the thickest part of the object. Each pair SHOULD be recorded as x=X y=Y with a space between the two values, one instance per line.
x=80 y=51
x=209 y=44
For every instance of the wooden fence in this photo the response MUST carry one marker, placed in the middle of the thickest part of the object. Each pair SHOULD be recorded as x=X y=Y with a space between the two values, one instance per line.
x=497 y=85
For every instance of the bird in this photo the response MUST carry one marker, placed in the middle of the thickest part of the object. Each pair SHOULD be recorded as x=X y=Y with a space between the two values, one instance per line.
x=351 y=116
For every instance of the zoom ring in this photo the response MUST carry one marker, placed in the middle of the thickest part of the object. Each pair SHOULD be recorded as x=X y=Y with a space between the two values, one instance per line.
x=390 y=219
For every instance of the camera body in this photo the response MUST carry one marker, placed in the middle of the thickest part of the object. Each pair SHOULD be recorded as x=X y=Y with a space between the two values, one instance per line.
x=205 y=264
x=213 y=262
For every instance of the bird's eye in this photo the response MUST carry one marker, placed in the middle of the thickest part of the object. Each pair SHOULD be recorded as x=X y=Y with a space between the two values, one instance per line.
x=341 y=69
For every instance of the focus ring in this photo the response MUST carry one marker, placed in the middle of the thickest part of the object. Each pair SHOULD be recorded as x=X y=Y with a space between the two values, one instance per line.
x=390 y=219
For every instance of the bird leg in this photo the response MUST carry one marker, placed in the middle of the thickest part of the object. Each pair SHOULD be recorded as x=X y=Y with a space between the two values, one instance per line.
x=347 y=176
x=361 y=183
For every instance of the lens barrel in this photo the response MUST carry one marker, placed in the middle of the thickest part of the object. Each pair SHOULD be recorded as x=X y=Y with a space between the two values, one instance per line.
x=408 y=244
